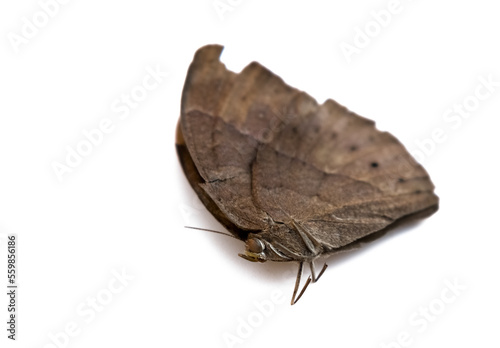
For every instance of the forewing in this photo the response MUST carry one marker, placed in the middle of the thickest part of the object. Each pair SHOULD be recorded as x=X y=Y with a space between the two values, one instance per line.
x=224 y=116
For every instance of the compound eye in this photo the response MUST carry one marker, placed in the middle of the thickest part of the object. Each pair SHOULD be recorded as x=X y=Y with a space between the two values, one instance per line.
x=255 y=246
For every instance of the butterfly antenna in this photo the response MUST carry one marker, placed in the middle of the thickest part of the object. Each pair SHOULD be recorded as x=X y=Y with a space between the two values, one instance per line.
x=206 y=229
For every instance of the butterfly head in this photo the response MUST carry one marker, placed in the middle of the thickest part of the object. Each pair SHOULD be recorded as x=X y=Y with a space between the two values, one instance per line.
x=255 y=250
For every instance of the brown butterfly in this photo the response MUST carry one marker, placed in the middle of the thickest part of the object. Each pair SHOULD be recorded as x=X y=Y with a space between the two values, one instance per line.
x=292 y=178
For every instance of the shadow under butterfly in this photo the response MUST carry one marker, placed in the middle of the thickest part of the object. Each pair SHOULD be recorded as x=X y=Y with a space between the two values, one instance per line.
x=294 y=179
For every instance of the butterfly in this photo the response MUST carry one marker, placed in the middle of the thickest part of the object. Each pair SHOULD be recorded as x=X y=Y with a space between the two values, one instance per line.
x=294 y=179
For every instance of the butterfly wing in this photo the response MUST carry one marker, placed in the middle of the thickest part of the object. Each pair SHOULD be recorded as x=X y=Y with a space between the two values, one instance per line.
x=268 y=152
x=221 y=139
x=339 y=177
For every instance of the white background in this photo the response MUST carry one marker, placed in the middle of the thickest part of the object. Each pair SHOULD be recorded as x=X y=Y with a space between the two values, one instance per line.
x=124 y=206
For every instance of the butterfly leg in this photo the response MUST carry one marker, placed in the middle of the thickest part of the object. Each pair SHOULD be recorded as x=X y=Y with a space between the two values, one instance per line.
x=314 y=246
x=313 y=273
x=297 y=283
x=311 y=243
x=312 y=278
